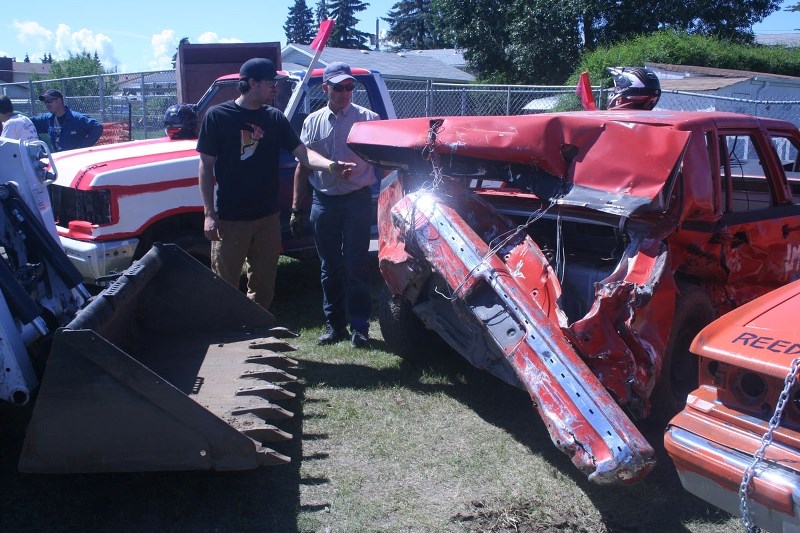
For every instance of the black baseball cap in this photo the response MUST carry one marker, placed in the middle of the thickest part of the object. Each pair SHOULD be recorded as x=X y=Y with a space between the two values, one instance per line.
x=260 y=69
x=51 y=93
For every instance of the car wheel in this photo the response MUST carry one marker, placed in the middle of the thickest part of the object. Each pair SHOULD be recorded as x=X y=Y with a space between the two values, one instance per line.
x=679 y=370
x=404 y=333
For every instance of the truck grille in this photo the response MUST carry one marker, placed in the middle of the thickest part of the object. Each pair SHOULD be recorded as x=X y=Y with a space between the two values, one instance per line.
x=72 y=204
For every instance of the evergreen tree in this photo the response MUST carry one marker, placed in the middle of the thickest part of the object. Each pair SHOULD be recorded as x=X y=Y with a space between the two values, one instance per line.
x=411 y=26
x=299 y=27
x=321 y=12
x=345 y=34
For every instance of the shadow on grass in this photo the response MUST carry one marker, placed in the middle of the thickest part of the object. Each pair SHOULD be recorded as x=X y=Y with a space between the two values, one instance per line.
x=658 y=503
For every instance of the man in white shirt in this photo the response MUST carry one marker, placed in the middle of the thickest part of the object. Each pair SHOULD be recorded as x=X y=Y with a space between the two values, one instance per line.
x=341 y=210
x=15 y=126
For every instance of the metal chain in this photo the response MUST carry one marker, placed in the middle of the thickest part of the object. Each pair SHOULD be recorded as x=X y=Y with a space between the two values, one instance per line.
x=766 y=440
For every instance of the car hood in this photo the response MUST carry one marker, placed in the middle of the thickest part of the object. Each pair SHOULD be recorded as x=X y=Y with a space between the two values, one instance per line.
x=595 y=160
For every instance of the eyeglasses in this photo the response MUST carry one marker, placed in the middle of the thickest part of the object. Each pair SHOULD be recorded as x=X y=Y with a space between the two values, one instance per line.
x=342 y=88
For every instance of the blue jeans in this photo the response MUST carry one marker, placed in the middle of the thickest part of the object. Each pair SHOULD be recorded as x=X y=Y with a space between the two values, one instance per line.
x=341 y=232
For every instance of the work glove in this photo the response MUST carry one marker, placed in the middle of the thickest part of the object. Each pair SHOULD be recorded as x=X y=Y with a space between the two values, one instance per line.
x=297 y=223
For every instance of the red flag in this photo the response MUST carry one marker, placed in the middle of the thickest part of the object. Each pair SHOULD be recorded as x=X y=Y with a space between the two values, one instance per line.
x=325 y=29
x=584 y=90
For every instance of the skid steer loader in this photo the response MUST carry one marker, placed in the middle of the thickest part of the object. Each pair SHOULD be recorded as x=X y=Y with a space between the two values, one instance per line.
x=169 y=368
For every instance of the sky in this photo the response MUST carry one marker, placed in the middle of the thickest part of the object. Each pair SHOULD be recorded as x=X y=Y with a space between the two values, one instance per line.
x=144 y=34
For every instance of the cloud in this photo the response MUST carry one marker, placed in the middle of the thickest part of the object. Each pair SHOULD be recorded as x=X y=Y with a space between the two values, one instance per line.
x=211 y=37
x=164 y=45
x=63 y=42
x=35 y=37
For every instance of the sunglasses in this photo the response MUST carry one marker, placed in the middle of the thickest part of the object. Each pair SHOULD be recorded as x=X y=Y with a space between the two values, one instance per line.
x=49 y=100
x=270 y=83
x=342 y=88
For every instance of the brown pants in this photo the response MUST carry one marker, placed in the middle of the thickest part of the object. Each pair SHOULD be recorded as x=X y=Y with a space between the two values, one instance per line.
x=257 y=241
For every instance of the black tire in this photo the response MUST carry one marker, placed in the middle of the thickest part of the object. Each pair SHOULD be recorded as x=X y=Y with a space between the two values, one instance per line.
x=679 y=371
x=191 y=242
x=404 y=333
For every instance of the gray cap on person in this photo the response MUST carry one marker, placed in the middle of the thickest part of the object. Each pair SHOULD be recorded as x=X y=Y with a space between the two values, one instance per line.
x=337 y=72
x=260 y=69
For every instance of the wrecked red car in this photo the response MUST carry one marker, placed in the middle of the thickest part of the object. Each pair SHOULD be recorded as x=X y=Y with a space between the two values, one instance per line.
x=736 y=444
x=577 y=254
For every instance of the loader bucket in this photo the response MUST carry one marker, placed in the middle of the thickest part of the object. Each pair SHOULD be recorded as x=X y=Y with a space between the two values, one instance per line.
x=170 y=368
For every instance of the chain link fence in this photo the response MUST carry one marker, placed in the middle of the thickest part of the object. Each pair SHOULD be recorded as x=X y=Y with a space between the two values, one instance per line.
x=139 y=100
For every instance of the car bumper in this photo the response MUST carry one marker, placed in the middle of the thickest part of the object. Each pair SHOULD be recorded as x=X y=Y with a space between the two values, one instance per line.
x=713 y=471
x=95 y=260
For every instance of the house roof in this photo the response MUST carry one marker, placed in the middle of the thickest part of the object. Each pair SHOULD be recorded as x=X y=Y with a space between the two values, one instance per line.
x=785 y=39
x=694 y=78
x=450 y=56
x=403 y=65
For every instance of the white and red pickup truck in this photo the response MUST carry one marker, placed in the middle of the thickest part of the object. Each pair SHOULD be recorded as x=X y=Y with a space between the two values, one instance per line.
x=112 y=202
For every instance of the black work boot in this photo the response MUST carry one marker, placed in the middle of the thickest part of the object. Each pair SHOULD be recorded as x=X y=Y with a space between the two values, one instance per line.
x=359 y=339
x=332 y=335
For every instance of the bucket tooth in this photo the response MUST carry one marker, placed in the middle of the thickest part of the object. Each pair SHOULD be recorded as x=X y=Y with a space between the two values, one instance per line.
x=266 y=411
x=254 y=427
x=272 y=359
x=267 y=433
x=283 y=333
x=274 y=345
x=269 y=457
x=268 y=391
x=268 y=373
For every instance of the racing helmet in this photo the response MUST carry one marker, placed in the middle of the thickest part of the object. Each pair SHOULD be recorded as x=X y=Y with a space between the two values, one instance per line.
x=180 y=121
x=634 y=88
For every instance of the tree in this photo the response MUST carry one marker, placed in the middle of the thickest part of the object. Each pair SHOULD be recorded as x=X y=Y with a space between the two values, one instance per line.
x=345 y=34
x=77 y=66
x=321 y=11
x=27 y=58
x=299 y=27
x=412 y=26
x=541 y=41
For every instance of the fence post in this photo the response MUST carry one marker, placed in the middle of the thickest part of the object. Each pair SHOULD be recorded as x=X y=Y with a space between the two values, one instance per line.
x=508 y=100
x=428 y=98
x=31 y=98
x=463 y=102
x=101 y=88
x=144 y=105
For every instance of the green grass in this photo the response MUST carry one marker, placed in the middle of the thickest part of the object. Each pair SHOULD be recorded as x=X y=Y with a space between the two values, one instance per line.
x=380 y=445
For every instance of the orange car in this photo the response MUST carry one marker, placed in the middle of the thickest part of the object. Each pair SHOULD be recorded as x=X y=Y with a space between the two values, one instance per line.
x=743 y=421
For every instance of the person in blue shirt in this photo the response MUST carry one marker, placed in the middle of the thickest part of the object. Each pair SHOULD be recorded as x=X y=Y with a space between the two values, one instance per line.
x=67 y=129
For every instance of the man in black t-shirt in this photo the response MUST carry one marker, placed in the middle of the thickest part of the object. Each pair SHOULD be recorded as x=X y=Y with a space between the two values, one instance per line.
x=239 y=145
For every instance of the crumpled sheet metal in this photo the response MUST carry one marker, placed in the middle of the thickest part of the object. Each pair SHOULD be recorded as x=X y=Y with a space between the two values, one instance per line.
x=582 y=418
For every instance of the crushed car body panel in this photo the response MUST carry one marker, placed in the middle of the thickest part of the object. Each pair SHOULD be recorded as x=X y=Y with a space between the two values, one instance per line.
x=576 y=240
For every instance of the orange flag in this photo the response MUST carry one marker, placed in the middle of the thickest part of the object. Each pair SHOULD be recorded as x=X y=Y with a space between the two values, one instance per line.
x=584 y=90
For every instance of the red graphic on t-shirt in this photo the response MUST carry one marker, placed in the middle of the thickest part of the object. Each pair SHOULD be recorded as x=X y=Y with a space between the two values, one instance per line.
x=250 y=140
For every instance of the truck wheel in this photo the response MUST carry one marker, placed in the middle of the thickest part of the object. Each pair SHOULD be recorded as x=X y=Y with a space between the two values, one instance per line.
x=403 y=332
x=679 y=370
x=192 y=243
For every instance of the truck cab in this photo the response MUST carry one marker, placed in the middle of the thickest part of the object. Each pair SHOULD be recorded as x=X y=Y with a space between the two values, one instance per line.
x=112 y=202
